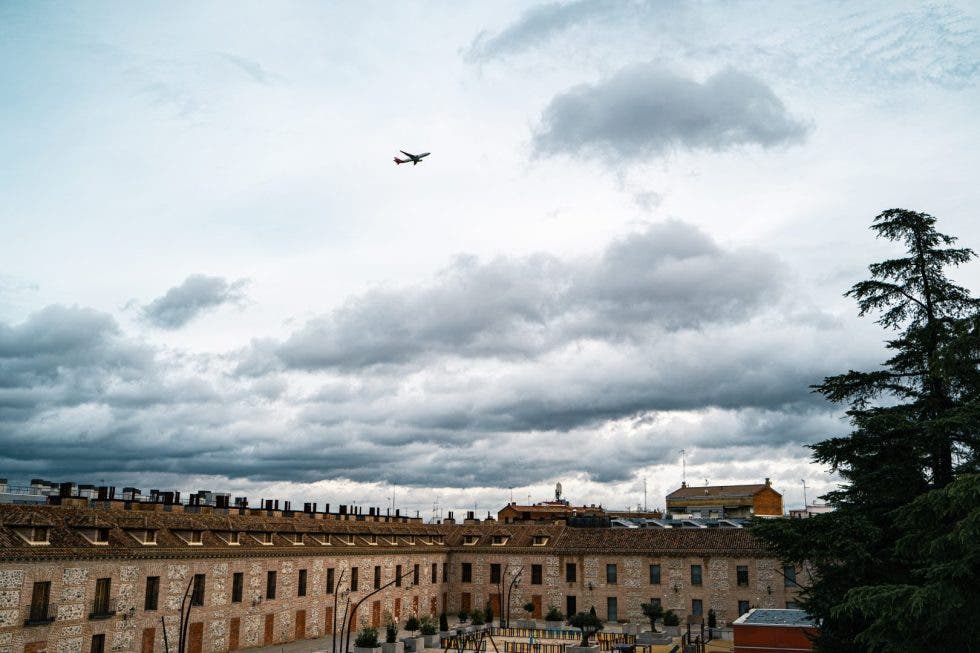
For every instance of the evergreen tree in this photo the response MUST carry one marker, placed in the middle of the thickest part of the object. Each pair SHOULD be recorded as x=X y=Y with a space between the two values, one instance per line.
x=914 y=443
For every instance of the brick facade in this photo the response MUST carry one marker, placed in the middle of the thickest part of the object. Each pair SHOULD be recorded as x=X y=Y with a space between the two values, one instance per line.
x=73 y=568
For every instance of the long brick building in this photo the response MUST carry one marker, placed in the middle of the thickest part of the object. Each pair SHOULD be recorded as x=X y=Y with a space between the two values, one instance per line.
x=91 y=580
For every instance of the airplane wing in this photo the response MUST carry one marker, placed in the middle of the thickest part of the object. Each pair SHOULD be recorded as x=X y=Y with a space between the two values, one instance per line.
x=411 y=156
x=423 y=155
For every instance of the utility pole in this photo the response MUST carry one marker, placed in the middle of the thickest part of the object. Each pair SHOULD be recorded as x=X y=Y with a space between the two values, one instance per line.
x=803 y=481
x=684 y=466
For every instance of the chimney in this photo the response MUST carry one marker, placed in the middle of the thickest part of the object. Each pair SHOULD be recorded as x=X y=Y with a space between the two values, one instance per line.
x=683 y=484
x=287 y=505
x=64 y=490
x=342 y=509
x=307 y=507
x=768 y=482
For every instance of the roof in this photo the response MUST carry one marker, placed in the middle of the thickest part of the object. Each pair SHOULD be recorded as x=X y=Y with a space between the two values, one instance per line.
x=776 y=617
x=718 y=491
x=67 y=524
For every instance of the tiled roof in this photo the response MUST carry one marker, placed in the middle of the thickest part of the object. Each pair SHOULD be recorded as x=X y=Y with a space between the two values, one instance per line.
x=717 y=491
x=660 y=541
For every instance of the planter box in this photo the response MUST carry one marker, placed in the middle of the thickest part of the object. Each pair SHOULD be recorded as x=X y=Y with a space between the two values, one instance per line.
x=631 y=629
x=394 y=647
x=527 y=623
x=358 y=649
x=413 y=644
x=650 y=638
x=431 y=641
x=673 y=631
x=582 y=649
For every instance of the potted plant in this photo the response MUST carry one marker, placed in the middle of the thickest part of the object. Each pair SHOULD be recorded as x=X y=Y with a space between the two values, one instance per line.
x=367 y=641
x=589 y=624
x=554 y=614
x=488 y=614
x=672 y=624
x=477 y=618
x=528 y=621
x=429 y=632
x=391 y=644
x=652 y=611
x=413 y=643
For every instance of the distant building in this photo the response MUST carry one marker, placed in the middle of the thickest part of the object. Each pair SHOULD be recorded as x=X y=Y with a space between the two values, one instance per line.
x=731 y=501
x=810 y=511
x=547 y=512
x=774 y=631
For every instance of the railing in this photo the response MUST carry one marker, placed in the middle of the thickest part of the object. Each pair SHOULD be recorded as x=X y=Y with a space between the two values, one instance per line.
x=41 y=615
x=539 y=633
x=527 y=647
x=607 y=641
x=103 y=609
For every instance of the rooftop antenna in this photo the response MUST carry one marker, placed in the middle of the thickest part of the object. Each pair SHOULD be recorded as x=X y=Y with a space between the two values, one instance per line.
x=511 y=488
x=684 y=466
x=803 y=481
x=644 y=494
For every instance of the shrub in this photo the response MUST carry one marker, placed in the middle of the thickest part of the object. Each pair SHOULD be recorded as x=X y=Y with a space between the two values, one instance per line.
x=427 y=626
x=391 y=632
x=671 y=619
x=477 y=617
x=529 y=608
x=463 y=616
x=412 y=624
x=488 y=614
x=367 y=638
x=443 y=622
x=554 y=614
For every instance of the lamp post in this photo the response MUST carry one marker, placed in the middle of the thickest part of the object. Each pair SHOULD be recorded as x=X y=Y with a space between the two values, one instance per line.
x=365 y=598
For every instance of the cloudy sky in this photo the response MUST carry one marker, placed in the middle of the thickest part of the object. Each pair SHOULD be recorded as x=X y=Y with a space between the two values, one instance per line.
x=631 y=238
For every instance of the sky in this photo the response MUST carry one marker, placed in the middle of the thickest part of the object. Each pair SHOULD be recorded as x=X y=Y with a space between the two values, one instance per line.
x=631 y=239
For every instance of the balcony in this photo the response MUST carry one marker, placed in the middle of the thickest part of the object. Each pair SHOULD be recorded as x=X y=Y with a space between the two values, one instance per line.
x=103 y=609
x=41 y=615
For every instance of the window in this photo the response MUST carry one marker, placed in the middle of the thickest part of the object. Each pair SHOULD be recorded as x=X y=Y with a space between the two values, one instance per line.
x=612 y=609
x=495 y=573
x=535 y=574
x=445 y=572
x=697 y=608
x=435 y=573
x=540 y=540
x=270 y=585
x=611 y=575
x=237 y=587
x=467 y=573
x=301 y=584
x=330 y=581
x=100 y=608
x=197 y=595
x=196 y=537
x=470 y=540
x=695 y=574
x=377 y=576
x=398 y=575
x=102 y=535
x=743 y=607
x=742 y=575
x=40 y=605
x=789 y=576
x=152 y=594
x=570 y=606
x=570 y=574
x=33 y=534
x=353 y=579
x=234 y=538
x=146 y=537
x=654 y=574
x=655 y=601
x=499 y=540
x=98 y=643
x=415 y=575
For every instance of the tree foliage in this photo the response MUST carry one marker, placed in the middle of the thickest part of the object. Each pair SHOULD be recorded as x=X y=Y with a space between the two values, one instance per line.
x=652 y=611
x=588 y=623
x=883 y=572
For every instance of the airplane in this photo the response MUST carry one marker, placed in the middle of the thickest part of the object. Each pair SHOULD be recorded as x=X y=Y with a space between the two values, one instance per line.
x=414 y=158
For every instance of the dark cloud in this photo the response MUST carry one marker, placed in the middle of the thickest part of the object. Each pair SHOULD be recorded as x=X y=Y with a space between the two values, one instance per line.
x=670 y=276
x=644 y=112
x=198 y=294
x=663 y=339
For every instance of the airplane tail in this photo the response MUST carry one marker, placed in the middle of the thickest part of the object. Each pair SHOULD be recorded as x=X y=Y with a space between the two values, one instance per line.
x=400 y=161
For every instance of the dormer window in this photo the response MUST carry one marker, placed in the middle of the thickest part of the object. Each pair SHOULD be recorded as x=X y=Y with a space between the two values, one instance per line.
x=145 y=536
x=263 y=537
x=97 y=536
x=192 y=538
x=411 y=540
x=500 y=540
x=231 y=538
x=470 y=540
x=296 y=539
x=373 y=540
x=323 y=540
x=33 y=535
x=540 y=540
x=348 y=540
